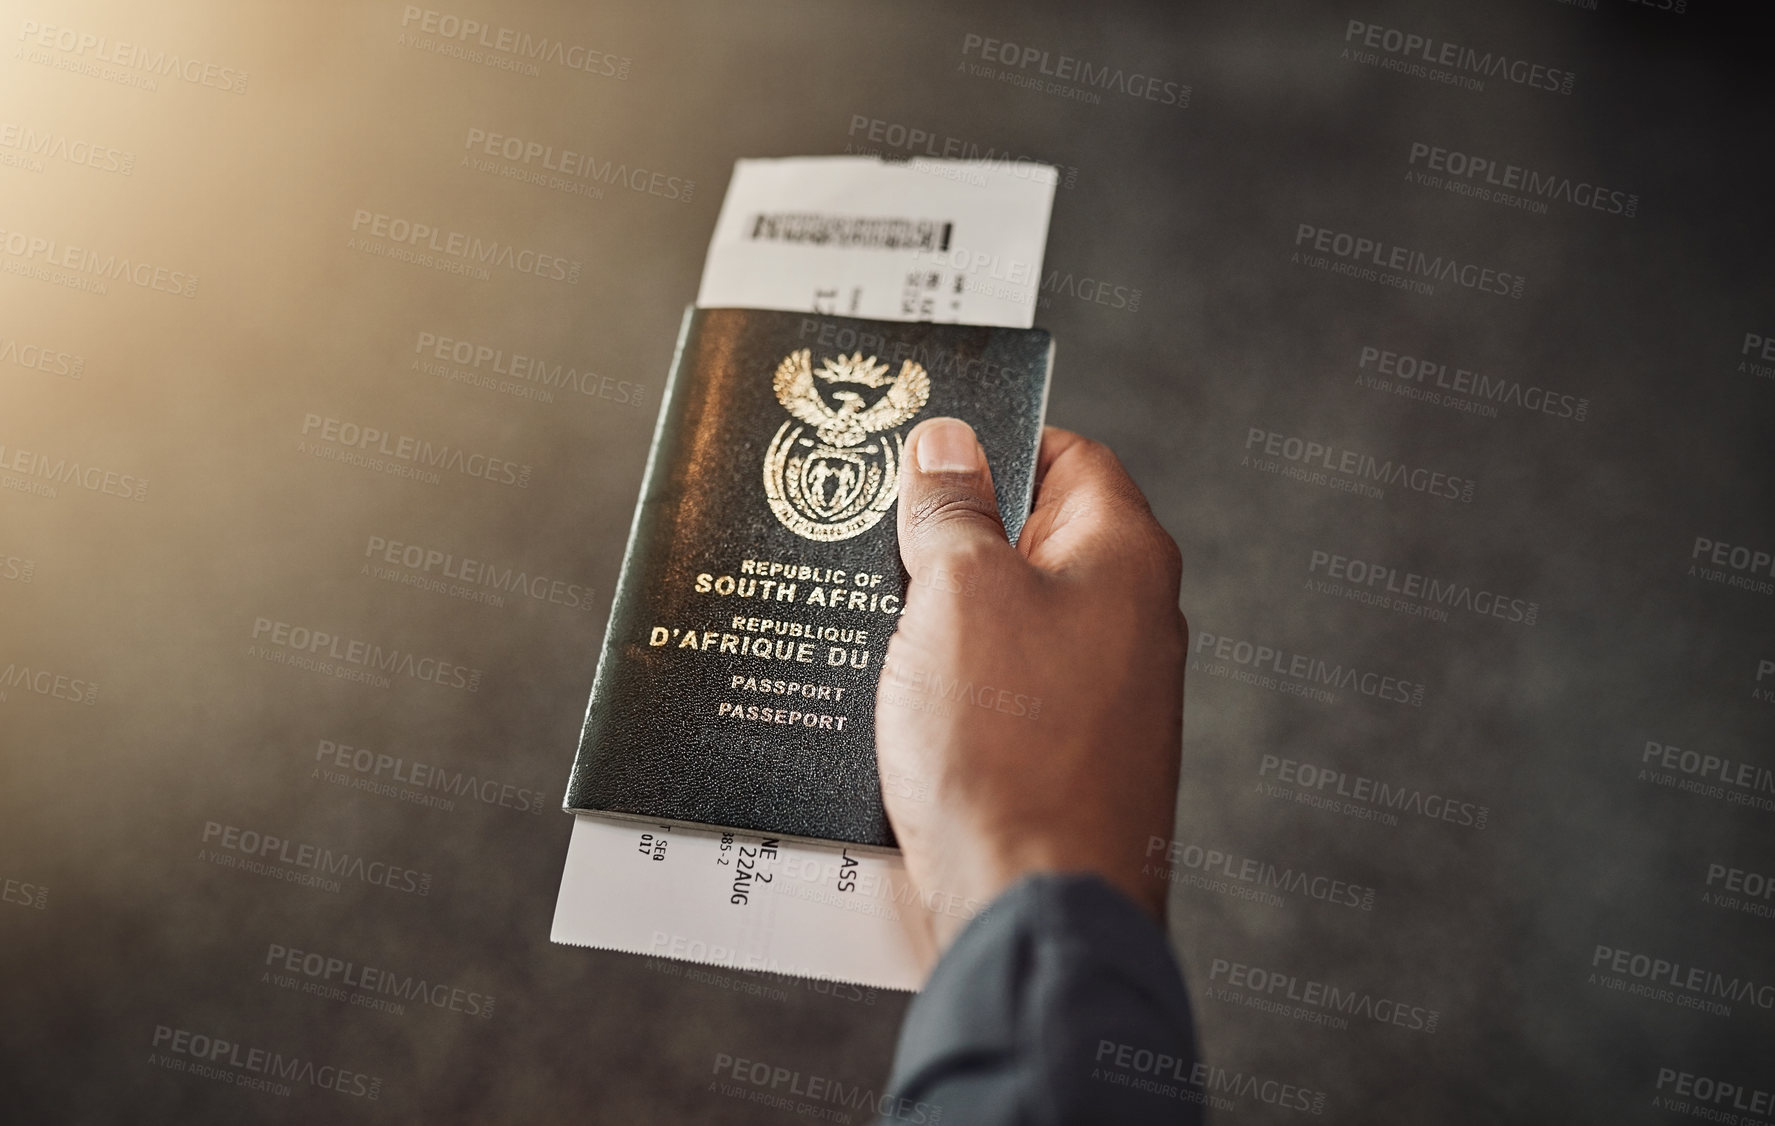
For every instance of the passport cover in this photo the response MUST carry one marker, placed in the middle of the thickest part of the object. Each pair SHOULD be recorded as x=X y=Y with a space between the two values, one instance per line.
x=762 y=579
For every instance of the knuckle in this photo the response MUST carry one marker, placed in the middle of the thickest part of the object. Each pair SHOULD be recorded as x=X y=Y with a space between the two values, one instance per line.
x=944 y=506
x=974 y=558
x=1164 y=543
x=1170 y=558
x=1102 y=456
x=1094 y=449
x=1114 y=476
x=1150 y=556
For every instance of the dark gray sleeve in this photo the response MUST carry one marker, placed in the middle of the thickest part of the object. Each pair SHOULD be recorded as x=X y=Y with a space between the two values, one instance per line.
x=1061 y=1004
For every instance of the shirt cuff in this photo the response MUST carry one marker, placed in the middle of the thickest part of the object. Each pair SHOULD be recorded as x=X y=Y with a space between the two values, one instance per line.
x=1036 y=1009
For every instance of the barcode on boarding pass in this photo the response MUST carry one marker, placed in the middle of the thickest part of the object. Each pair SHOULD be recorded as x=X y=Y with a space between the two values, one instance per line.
x=852 y=231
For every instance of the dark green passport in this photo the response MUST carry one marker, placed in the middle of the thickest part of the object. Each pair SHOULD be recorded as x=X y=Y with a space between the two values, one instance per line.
x=762 y=579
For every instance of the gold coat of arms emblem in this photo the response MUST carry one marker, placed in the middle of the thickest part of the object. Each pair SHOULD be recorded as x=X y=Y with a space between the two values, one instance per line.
x=833 y=472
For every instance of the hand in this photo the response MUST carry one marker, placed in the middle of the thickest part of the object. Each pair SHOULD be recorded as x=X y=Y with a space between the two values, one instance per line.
x=1030 y=712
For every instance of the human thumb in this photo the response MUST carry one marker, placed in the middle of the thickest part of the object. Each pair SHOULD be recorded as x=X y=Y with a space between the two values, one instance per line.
x=947 y=509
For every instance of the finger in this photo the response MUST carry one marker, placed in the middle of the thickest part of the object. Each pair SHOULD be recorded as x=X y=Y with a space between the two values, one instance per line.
x=1078 y=479
x=1071 y=466
x=1055 y=441
x=947 y=508
x=1087 y=506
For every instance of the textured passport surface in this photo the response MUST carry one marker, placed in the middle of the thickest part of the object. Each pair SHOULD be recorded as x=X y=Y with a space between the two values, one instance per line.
x=762 y=578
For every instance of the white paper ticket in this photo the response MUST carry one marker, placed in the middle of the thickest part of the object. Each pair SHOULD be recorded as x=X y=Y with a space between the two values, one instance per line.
x=744 y=902
x=922 y=240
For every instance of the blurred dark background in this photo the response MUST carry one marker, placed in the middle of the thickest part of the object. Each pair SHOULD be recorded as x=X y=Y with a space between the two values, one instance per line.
x=169 y=497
